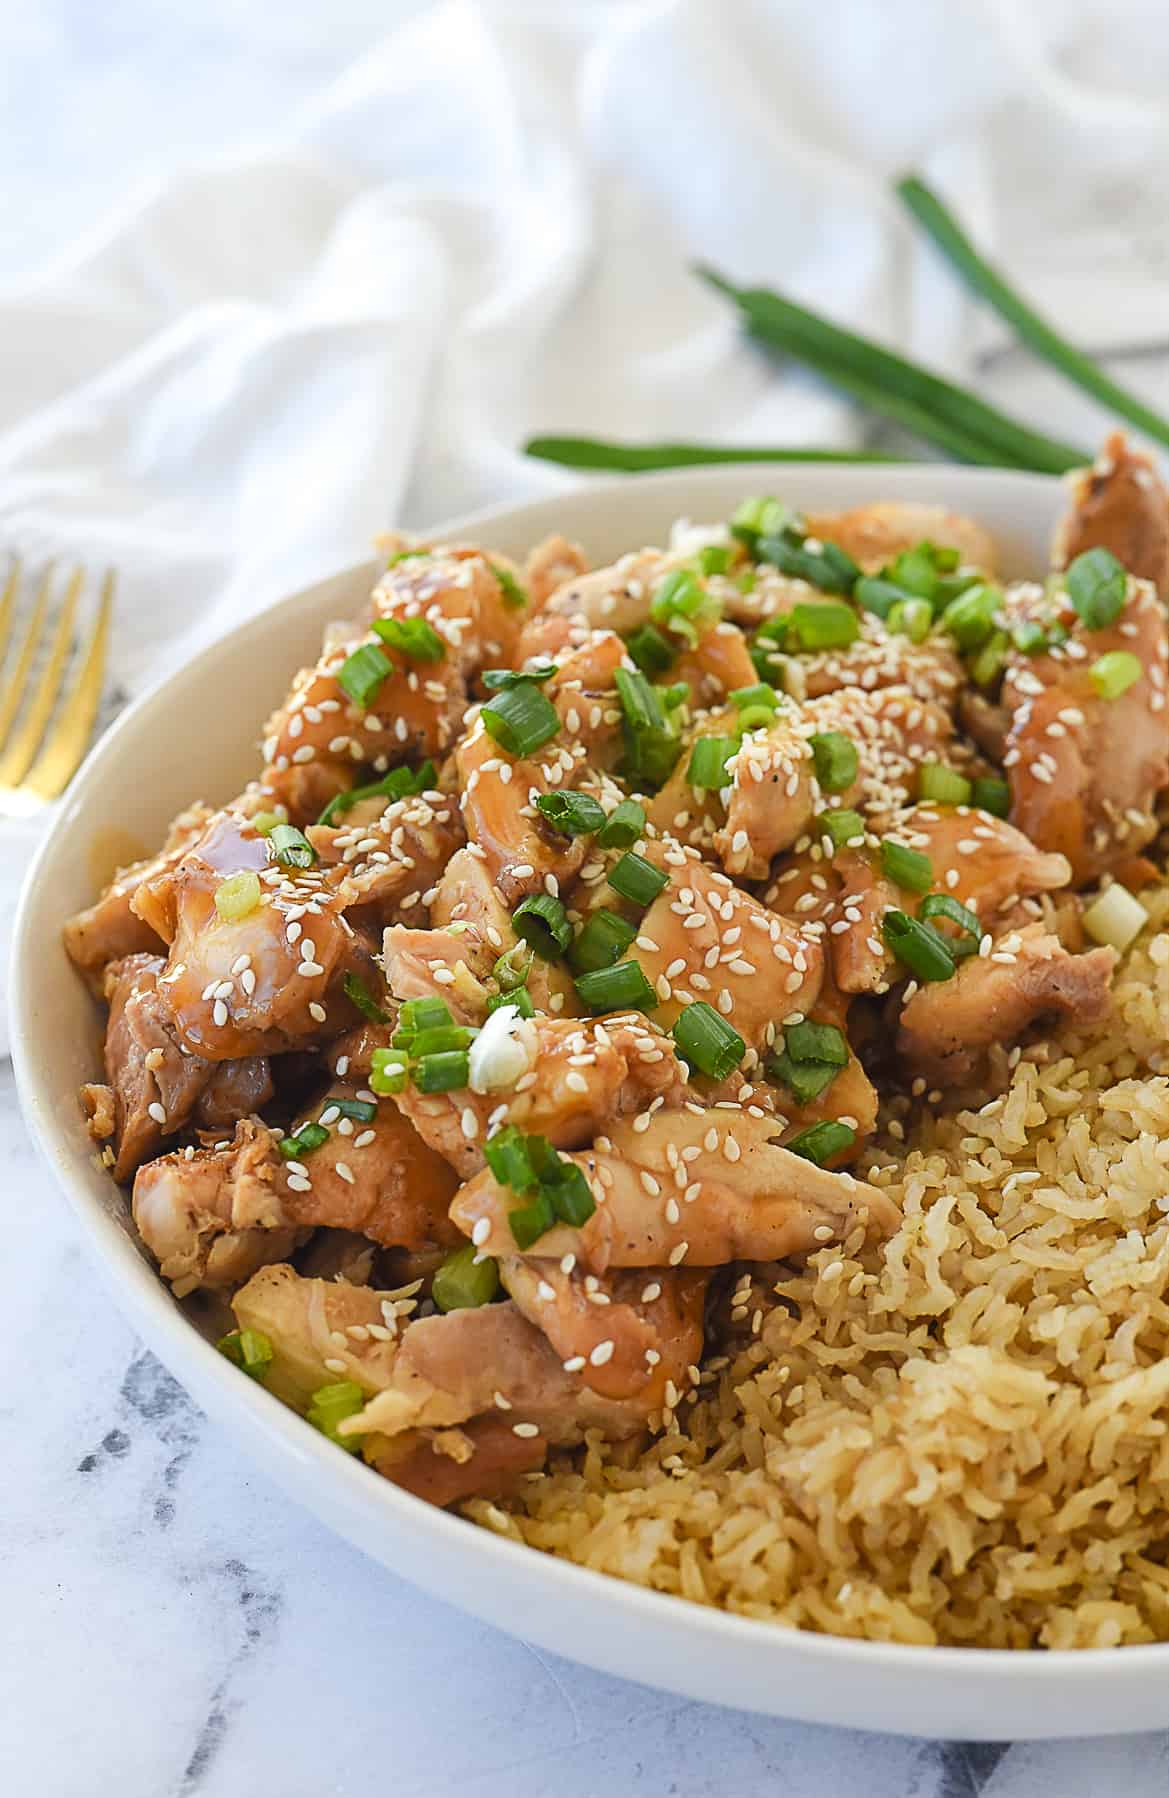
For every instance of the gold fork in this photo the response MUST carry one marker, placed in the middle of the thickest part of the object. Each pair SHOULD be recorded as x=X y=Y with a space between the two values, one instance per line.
x=39 y=752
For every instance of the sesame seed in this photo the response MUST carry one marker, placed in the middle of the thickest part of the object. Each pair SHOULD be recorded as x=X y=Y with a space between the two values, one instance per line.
x=602 y=1353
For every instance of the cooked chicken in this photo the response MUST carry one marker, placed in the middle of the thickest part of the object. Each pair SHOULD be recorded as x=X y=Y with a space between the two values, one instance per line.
x=110 y=930
x=695 y=1187
x=1121 y=504
x=718 y=663
x=874 y=534
x=393 y=862
x=482 y=1458
x=550 y=564
x=320 y=1330
x=1028 y=975
x=472 y=600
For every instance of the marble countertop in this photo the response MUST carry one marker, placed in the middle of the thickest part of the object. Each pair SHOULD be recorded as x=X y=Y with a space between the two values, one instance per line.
x=173 y=1625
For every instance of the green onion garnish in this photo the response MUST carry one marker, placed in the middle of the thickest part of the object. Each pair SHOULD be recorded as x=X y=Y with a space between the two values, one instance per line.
x=807 y=1079
x=364 y=674
x=507 y=1156
x=290 y=848
x=707 y=1041
x=543 y=924
x=416 y=1015
x=808 y=1041
x=307 y=1138
x=1114 y=673
x=840 y=827
x=623 y=987
x=944 y=905
x=1097 y=585
x=921 y=949
x=266 y=822
x=603 y=940
x=767 y=648
x=399 y=783
x=388 y=1071
x=623 y=826
x=571 y=1196
x=249 y=1349
x=518 y=996
x=636 y=879
x=830 y=568
x=1029 y=637
x=821 y=1142
x=532 y=1167
x=970 y=618
x=747 y=698
x=513 y=967
x=991 y=659
x=945 y=786
x=463 y=1281
x=442 y=1073
x=360 y=1110
x=708 y=762
x=835 y=758
x=993 y=796
x=238 y=895
x=495 y=679
x=521 y=718
x=358 y=994
x=682 y=605
x=573 y=814
x=762 y=517
x=414 y=637
x=714 y=558
x=530 y=1222
x=513 y=594
x=652 y=652
x=906 y=867
x=873 y=594
x=651 y=743
x=911 y=618
x=441 y=1038
x=824 y=625
x=331 y=1405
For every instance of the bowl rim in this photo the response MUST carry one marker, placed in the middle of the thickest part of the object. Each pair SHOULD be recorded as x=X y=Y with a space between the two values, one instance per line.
x=361 y=1498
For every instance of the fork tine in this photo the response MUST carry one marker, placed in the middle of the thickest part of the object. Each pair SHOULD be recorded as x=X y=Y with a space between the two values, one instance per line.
x=14 y=686
x=18 y=756
x=69 y=737
x=8 y=600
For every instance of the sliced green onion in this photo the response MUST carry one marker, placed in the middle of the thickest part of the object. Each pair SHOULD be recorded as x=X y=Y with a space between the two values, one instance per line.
x=519 y=996
x=921 y=949
x=767 y=648
x=360 y=1110
x=651 y=743
x=1097 y=585
x=543 y=924
x=970 y=618
x=807 y=1079
x=906 y=867
x=399 y=783
x=622 y=987
x=707 y=1041
x=521 y=718
x=762 y=517
x=676 y=695
x=840 y=827
x=388 y=1071
x=266 y=822
x=944 y=905
x=238 y=895
x=835 y=758
x=636 y=879
x=993 y=796
x=708 y=762
x=447 y=1072
x=761 y=695
x=442 y=1038
x=573 y=814
x=1115 y=918
x=1114 y=673
x=495 y=679
x=874 y=594
x=358 y=994
x=407 y=555
x=945 y=786
x=830 y=568
x=821 y=1142
x=991 y=659
x=916 y=570
x=714 y=558
x=570 y=1194
x=414 y=637
x=682 y=605
x=364 y=674
x=290 y=847
x=513 y=594
x=331 y=1405
x=463 y=1281
x=824 y=625
x=652 y=651
x=603 y=940
x=911 y=618
x=307 y=1138
x=249 y=1349
x=530 y=1222
x=1029 y=637
x=816 y=1042
x=507 y=1156
x=420 y=1014
x=951 y=586
x=513 y=967
x=623 y=826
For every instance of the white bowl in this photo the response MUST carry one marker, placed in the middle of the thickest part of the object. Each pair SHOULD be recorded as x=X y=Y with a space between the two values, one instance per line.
x=195 y=737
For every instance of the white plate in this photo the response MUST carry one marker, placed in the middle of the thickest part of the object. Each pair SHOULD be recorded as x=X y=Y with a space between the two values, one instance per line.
x=195 y=737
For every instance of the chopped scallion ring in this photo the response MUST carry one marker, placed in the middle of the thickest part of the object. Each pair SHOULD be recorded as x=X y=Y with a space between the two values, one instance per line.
x=573 y=814
x=416 y=1015
x=944 y=905
x=1097 y=587
x=651 y=742
x=830 y=568
x=238 y=895
x=463 y=1281
x=911 y=618
x=822 y=1142
x=543 y=924
x=331 y=1405
x=519 y=996
x=970 y=618
x=835 y=758
x=494 y=679
x=942 y=785
x=874 y=594
x=530 y=1222
x=708 y=762
x=707 y=1041
x=763 y=517
x=993 y=796
x=809 y=1041
x=603 y=940
x=521 y=718
x=512 y=968
x=290 y=847
x=636 y=879
x=906 y=867
x=249 y=1349
x=651 y=650
x=364 y=673
x=806 y=1079
x=1114 y=673
x=682 y=605
x=508 y=1158
x=399 y=783
x=448 y=1071
x=622 y=987
x=307 y=1138
x=826 y=625
x=388 y=1071
x=923 y=950
x=840 y=827
x=358 y=994
x=360 y=1110
x=413 y=637
x=623 y=826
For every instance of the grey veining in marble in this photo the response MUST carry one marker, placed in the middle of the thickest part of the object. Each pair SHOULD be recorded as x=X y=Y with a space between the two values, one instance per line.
x=171 y=1625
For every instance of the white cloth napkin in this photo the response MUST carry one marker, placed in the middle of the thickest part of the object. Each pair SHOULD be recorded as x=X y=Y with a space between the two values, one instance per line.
x=484 y=230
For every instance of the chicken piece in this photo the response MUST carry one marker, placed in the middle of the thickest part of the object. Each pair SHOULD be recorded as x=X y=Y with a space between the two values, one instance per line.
x=705 y=938
x=392 y=862
x=718 y=663
x=700 y=1187
x=584 y=692
x=875 y=533
x=1085 y=771
x=421 y=964
x=849 y=1098
x=477 y=1362
x=468 y=904
x=472 y=600
x=157 y=1089
x=616 y=598
x=946 y=1026
x=483 y=1458
x=578 y=1076
x=263 y=983
x=1121 y=504
x=772 y=798
x=109 y=930
x=309 y=1324
x=653 y=1326
x=930 y=671
x=212 y=1217
x=549 y=565
x=378 y=1178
